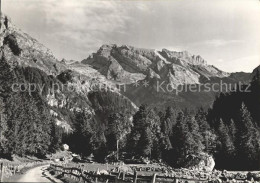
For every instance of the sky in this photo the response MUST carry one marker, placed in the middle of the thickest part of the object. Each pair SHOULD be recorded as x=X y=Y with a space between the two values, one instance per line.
x=226 y=33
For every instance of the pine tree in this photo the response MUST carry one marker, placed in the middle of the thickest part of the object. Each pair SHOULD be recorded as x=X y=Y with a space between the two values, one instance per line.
x=226 y=142
x=3 y=128
x=118 y=127
x=6 y=77
x=56 y=137
x=153 y=124
x=204 y=128
x=245 y=139
x=182 y=140
x=254 y=96
x=139 y=125
x=169 y=121
x=84 y=139
x=139 y=120
x=225 y=148
x=256 y=142
x=194 y=130
x=146 y=137
x=232 y=130
x=201 y=119
x=145 y=143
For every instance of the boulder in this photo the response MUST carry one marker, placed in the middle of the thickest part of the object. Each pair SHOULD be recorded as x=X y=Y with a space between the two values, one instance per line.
x=103 y=172
x=65 y=147
x=201 y=162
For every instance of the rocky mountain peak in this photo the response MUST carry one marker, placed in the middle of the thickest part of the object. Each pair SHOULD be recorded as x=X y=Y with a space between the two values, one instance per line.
x=5 y=22
x=21 y=49
x=184 y=56
x=106 y=48
x=128 y=63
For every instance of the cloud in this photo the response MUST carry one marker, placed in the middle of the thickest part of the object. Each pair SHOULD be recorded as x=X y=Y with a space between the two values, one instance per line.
x=84 y=24
x=75 y=28
x=143 y=7
x=220 y=42
x=220 y=60
x=246 y=63
x=86 y=16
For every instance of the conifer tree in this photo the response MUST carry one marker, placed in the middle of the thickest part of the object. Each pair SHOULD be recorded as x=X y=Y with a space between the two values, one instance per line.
x=200 y=117
x=225 y=148
x=153 y=123
x=83 y=134
x=226 y=142
x=182 y=140
x=3 y=128
x=6 y=77
x=118 y=127
x=139 y=124
x=246 y=143
x=232 y=130
x=169 y=121
x=146 y=137
x=194 y=130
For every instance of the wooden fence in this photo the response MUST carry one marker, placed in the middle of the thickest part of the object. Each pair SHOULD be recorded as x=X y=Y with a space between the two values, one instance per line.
x=7 y=170
x=81 y=175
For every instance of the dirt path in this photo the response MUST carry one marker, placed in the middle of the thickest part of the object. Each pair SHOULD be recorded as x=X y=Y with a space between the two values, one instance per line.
x=38 y=174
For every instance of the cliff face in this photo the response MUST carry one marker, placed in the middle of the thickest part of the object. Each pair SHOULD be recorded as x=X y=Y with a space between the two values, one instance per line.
x=128 y=64
x=21 y=49
x=135 y=66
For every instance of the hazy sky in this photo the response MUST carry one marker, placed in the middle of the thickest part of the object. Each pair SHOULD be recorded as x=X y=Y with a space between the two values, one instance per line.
x=224 y=32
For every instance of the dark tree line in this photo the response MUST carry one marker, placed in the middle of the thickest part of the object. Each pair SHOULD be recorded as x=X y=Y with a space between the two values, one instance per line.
x=237 y=114
x=229 y=131
x=173 y=135
x=26 y=126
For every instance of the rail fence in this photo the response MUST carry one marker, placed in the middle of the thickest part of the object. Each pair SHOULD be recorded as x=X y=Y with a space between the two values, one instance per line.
x=7 y=169
x=81 y=175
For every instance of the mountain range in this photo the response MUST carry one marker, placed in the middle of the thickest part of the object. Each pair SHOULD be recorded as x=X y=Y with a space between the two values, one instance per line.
x=141 y=72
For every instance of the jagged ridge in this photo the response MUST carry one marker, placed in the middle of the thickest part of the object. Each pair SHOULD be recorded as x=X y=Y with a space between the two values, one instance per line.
x=127 y=63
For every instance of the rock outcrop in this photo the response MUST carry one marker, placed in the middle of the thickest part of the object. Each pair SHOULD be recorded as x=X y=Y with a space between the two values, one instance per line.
x=21 y=49
x=127 y=63
x=201 y=162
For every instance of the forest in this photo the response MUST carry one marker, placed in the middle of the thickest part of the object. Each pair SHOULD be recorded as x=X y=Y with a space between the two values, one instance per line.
x=229 y=130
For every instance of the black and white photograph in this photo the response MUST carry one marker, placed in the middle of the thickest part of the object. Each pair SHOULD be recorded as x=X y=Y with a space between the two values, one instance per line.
x=130 y=91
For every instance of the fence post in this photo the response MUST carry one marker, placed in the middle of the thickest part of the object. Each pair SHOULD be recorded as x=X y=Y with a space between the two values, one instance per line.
x=123 y=176
x=14 y=170
x=175 y=180
x=2 y=172
x=80 y=174
x=135 y=177
x=96 y=179
x=119 y=173
x=154 y=178
x=56 y=170
x=63 y=171
x=71 y=173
